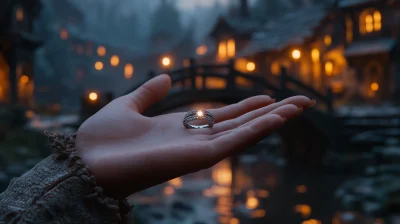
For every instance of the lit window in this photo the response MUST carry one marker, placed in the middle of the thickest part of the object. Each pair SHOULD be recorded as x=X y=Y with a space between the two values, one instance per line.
x=374 y=86
x=327 y=40
x=101 y=51
x=328 y=68
x=349 y=29
x=128 y=71
x=296 y=54
x=370 y=21
x=231 y=48
x=315 y=55
x=24 y=79
x=222 y=50
x=64 y=34
x=114 y=61
x=201 y=50
x=98 y=65
x=19 y=14
x=226 y=49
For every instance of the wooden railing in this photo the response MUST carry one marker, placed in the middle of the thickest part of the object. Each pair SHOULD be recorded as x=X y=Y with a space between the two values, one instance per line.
x=186 y=78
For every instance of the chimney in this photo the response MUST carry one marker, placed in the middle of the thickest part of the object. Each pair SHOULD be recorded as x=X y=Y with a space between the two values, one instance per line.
x=244 y=9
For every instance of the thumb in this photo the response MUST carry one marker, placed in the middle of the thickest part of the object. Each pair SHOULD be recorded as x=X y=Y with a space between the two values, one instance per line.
x=150 y=92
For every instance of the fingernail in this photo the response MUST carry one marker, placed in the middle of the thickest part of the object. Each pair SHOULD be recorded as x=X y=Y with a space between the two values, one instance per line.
x=313 y=103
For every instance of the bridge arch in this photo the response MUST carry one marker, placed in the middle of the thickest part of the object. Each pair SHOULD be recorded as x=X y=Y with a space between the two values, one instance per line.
x=306 y=139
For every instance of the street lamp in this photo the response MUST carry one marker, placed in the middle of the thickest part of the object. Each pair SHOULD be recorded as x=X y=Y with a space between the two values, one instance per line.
x=93 y=96
x=166 y=61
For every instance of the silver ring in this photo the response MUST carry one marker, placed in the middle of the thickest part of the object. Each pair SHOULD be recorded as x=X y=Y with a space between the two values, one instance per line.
x=198 y=115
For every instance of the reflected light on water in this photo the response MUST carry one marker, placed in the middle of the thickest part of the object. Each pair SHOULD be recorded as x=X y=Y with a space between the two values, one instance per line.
x=168 y=190
x=234 y=221
x=177 y=182
x=222 y=174
x=304 y=210
x=311 y=221
x=301 y=189
x=252 y=202
x=262 y=193
x=258 y=214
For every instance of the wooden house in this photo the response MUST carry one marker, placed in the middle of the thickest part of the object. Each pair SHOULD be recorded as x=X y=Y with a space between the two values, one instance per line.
x=17 y=45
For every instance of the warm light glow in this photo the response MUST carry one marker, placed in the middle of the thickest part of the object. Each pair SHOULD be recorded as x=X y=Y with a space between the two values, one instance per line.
x=251 y=66
x=370 y=20
x=201 y=50
x=327 y=40
x=29 y=114
x=128 y=71
x=222 y=50
x=263 y=193
x=374 y=86
x=101 y=51
x=311 y=221
x=377 y=20
x=296 y=54
x=277 y=65
x=24 y=79
x=114 y=61
x=328 y=68
x=168 y=190
x=177 y=182
x=251 y=202
x=20 y=14
x=234 y=221
x=93 y=96
x=258 y=213
x=231 y=48
x=349 y=29
x=369 y=26
x=166 y=61
x=315 y=55
x=64 y=34
x=200 y=113
x=301 y=189
x=98 y=65
x=222 y=174
x=304 y=210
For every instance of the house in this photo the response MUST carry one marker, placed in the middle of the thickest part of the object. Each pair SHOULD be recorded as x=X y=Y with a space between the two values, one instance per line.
x=17 y=46
x=349 y=46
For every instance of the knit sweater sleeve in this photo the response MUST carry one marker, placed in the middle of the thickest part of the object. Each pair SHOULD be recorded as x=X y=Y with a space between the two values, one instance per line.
x=60 y=189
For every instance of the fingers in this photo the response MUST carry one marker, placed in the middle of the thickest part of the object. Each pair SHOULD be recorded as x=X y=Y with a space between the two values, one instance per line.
x=295 y=102
x=151 y=92
x=238 y=109
x=286 y=112
x=244 y=136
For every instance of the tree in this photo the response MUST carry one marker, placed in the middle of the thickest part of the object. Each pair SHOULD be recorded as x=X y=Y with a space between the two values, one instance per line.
x=267 y=10
x=165 y=23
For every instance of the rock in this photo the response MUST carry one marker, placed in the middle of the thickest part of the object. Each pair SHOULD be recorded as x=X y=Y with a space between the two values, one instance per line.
x=178 y=205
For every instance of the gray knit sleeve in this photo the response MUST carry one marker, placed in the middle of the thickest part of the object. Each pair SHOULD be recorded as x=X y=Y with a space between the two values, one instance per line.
x=60 y=189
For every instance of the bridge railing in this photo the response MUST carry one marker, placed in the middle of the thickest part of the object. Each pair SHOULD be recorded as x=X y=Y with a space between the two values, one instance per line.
x=195 y=76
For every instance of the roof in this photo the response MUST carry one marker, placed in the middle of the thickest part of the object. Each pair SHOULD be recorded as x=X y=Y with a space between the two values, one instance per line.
x=238 y=25
x=370 y=47
x=292 y=28
x=349 y=3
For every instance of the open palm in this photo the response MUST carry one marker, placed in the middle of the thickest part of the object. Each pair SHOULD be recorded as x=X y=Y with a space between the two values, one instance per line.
x=128 y=152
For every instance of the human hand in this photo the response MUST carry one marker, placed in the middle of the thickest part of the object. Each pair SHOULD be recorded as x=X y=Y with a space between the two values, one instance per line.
x=128 y=152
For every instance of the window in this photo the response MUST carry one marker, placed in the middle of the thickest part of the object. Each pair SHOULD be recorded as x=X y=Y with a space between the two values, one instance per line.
x=128 y=71
x=315 y=55
x=114 y=60
x=327 y=40
x=374 y=73
x=349 y=29
x=370 y=21
x=226 y=49
x=328 y=68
